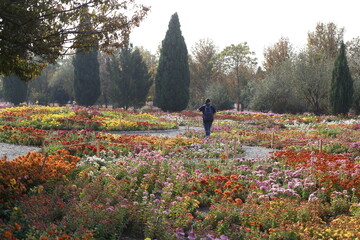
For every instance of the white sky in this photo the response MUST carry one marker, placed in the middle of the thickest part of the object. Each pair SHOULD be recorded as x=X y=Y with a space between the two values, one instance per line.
x=260 y=23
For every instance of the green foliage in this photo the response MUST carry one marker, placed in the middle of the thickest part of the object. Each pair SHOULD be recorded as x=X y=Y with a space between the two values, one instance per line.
x=173 y=76
x=45 y=29
x=86 y=67
x=202 y=71
x=40 y=86
x=219 y=96
x=130 y=78
x=86 y=77
x=311 y=80
x=142 y=80
x=276 y=92
x=59 y=95
x=238 y=61
x=15 y=90
x=341 y=91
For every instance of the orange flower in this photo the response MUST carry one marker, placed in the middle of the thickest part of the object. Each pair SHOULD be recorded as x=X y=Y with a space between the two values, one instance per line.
x=234 y=177
x=227 y=193
x=238 y=202
x=44 y=238
x=204 y=182
x=8 y=235
x=216 y=170
x=65 y=236
x=230 y=200
x=17 y=226
x=218 y=191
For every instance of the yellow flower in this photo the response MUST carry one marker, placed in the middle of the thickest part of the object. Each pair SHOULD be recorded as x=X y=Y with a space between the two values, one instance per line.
x=12 y=181
x=40 y=189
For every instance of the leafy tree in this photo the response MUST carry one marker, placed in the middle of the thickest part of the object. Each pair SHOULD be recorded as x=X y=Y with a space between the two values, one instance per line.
x=15 y=90
x=276 y=91
x=325 y=40
x=86 y=69
x=59 y=95
x=238 y=59
x=311 y=81
x=219 y=95
x=277 y=54
x=173 y=76
x=152 y=62
x=64 y=76
x=341 y=91
x=34 y=33
x=353 y=51
x=202 y=70
x=130 y=77
x=39 y=87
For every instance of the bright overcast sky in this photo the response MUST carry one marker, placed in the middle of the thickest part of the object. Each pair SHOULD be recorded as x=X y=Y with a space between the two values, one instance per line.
x=260 y=23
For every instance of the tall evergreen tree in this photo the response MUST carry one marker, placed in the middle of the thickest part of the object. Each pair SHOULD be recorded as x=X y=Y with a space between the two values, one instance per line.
x=341 y=92
x=86 y=68
x=142 y=80
x=121 y=72
x=15 y=90
x=131 y=78
x=173 y=77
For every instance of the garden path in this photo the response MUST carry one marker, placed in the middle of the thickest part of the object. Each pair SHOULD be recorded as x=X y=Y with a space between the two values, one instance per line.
x=11 y=150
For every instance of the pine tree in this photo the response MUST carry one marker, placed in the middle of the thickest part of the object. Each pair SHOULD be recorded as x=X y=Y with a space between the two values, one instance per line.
x=121 y=74
x=142 y=80
x=130 y=77
x=173 y=77
x=86 y=69
x=341 y=92
x=15 y=90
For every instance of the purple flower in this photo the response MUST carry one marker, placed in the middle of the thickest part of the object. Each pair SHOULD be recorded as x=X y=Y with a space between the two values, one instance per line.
x=223 y=237
x=192 y=235
x=211 y=237
x=180 y=233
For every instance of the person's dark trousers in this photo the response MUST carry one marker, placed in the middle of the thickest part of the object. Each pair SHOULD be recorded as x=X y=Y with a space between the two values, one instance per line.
x=207 y=126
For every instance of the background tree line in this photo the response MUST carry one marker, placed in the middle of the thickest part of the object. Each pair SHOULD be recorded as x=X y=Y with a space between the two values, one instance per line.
x=291 y=80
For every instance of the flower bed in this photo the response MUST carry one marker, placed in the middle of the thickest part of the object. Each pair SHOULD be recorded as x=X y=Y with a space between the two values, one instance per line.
x=82 y=118
x=148 y=187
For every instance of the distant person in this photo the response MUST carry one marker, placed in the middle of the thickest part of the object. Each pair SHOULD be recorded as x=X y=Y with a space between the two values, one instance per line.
x=208 y=116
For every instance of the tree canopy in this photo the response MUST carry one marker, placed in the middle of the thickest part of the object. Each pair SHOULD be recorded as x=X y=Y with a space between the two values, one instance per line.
x=173 y=76
x=341 y=92
x=34 y=33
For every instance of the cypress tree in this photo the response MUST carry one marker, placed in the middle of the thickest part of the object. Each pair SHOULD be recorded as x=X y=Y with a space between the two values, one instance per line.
x=121 y=74
x=86 y=68
x=15 y=90
x=341 y=92
x=173 y=76
x=131 y=78
x=142 y=80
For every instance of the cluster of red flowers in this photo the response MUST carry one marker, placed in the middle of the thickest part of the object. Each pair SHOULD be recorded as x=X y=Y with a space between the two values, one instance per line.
x=332 y=170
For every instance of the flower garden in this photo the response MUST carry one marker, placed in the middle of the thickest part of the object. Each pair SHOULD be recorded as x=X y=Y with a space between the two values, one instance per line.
x=89 y=182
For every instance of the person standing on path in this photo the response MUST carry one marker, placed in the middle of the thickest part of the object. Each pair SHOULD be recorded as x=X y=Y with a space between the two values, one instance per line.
x=208 y=111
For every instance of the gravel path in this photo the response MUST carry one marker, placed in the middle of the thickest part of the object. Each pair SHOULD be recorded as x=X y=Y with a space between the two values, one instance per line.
x=257 y=152
x=11 y=151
